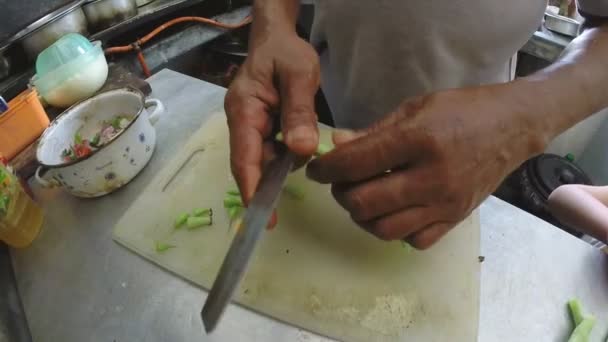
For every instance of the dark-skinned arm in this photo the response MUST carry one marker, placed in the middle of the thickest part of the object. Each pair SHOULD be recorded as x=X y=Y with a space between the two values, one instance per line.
x=449 y=150
x=572 y=88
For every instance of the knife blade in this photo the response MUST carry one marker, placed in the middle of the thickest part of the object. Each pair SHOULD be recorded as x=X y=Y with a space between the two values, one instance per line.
x=256 y=219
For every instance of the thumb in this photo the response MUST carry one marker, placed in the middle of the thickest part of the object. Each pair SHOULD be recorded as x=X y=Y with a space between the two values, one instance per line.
x=298 y=117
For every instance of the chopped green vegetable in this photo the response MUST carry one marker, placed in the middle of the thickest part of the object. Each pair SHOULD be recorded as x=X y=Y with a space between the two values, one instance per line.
x=322 y=149
x=197 y=222
x=406 y=246
x=77 y=139
x=294 y=191
x=180 y=220
x=4 y=201
x=162 y=247
x=95 y=141
x=583 y=330
x=234 y=212
x=202 y=212
x=233 y=192
x=576 y=310
x=232 y=201
x=116 y=122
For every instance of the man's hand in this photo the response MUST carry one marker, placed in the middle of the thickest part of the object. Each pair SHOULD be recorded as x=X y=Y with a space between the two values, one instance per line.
x=425 y=167
x=281 y=74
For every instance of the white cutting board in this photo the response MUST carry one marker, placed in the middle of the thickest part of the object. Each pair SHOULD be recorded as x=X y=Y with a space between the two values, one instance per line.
x=316 y=269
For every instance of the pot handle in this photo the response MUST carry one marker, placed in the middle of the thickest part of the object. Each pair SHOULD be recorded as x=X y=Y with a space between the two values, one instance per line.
x=44 y=182
x=158 y=110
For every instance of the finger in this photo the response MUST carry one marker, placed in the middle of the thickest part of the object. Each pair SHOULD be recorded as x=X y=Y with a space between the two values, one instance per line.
x=401 y=224
x=249 y=123
x=298 y=116
x=274 y=218
x=408 y=108
x=386 y=194
x=428 y=236
x=367 y=156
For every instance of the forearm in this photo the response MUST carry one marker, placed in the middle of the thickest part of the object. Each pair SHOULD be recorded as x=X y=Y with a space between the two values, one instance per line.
x=273 y=15
x=572 y=88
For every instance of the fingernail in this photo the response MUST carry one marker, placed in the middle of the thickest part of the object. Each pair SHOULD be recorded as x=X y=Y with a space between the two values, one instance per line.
x=299 y=135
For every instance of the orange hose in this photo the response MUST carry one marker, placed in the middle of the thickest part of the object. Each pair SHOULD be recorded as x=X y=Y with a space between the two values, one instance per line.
x=146 y=38
x=144 y=65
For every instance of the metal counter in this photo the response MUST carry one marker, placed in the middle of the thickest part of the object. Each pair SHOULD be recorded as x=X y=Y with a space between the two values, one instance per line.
x=79 y=285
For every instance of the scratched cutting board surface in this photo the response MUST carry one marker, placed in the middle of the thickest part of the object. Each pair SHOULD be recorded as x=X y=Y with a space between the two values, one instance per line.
x=316 y=269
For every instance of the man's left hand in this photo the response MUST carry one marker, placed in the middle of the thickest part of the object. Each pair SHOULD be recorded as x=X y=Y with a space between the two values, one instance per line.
x=425 y=167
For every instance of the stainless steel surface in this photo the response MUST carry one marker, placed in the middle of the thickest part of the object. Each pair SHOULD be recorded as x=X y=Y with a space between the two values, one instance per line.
x=145 y=14
x=243 y=245
x=561 y=24
x=46 y=22
x=13 y=324
x=141 y=3
x=102 y=14
x=546 y=44
x=72 y=21
x=78 y=285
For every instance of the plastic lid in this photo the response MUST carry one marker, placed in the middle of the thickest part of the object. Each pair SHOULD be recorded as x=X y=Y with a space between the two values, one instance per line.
x=63 y=51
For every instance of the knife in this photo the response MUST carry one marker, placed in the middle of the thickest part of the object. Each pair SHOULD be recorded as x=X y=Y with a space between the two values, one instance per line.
x=243 y=245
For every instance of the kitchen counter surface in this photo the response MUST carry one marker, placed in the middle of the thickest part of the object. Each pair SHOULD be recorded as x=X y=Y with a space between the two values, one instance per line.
x=79 y=285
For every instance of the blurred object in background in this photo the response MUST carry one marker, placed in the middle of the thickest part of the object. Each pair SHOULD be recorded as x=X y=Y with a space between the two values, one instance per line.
x=567 y=8
x=20 y=217
x=22 y=123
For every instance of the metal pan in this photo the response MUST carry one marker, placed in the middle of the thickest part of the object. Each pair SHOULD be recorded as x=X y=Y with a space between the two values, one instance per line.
x=561 y=24
x=102 y=14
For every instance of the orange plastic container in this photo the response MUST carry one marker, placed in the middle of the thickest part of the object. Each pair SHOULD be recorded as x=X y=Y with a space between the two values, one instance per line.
x=22 y=123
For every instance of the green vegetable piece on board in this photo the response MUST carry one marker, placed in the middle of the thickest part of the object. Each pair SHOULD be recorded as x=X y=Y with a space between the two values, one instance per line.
x=233 y=192
x=197 y=222
x=180 y=220
x=322 y=149
x=162 y=247
x=232 y=201
x=576 y=311
x=583 y=330
x=233 y=212
x=202 y=212
x=294 y=191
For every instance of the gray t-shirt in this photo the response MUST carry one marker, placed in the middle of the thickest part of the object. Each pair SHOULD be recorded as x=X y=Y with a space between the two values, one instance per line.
x=374 y=54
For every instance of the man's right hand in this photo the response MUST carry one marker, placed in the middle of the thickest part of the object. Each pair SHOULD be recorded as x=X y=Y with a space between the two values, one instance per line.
x=280 y=75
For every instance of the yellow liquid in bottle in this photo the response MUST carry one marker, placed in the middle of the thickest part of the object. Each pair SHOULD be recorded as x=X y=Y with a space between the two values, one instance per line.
x=23 y=219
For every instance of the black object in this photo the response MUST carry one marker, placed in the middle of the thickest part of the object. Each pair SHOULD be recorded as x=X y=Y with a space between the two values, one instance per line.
x=529 y=187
